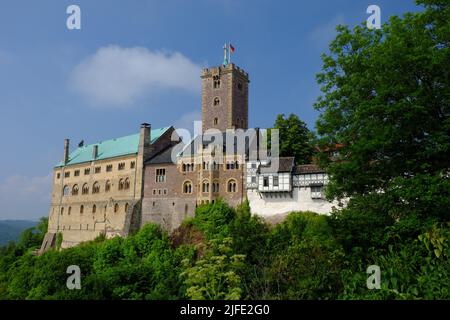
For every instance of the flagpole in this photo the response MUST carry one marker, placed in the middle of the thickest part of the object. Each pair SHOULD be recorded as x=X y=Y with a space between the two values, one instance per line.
x=229 y=53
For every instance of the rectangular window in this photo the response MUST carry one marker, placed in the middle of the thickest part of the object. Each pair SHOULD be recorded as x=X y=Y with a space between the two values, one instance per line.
x=109 y=168
x=121 y=166
x=98 y=169
x=67 y=174
x=253 y=179
x=87 y=171
x=316 y=193
x=160 y=175
x=132 y=165
x=275 y=181
x=76 y=173
x=266 y=181
x=58 y=175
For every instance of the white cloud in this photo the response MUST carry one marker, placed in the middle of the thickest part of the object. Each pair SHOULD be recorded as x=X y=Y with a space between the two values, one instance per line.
x=116 y=76
x=24 y=197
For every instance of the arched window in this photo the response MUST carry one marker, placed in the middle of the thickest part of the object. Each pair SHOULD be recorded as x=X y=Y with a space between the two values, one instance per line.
x=85 y=189
x=187 y=187
x=216 y=120
x=215 y=187
x=184 y=167
x=75 y=190
x=96 y=188
x=69 y=211
x=94 y=208
x=81 y=209
x=107 y=186
x=126 y=184
x=232 y=186
x=121 y=184
x=216 y=101
x=66 y=191
x=116 y=208
x=205 y=186
x=126 y=207
x=62 y=211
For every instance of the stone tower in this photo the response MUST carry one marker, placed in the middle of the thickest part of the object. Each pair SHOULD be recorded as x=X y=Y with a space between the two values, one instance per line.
x=224 y=98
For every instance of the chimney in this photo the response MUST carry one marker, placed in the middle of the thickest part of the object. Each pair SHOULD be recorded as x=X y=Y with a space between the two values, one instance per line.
x=145 y=134
x=95 y=152
x=144 y=140
x=66 y=150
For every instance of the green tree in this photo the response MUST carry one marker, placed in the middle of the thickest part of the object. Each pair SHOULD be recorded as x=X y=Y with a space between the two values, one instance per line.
x=216 y=275
x=295 y=138
x=386 y=100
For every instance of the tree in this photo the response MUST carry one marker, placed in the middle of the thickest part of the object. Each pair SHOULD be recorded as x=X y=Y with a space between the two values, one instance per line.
x=386 y=100
x=295 y=138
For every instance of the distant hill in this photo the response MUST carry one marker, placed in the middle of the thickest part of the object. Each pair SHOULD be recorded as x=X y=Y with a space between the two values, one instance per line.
x=10 y=230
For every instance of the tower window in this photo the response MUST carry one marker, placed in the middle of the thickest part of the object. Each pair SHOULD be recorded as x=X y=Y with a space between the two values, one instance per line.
x=216 y=120
x=240 y=87
x=160 y=175
x=216 y=82
x=216 y=101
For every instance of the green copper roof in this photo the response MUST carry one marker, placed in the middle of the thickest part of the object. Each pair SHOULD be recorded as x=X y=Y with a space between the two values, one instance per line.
x=110 y=148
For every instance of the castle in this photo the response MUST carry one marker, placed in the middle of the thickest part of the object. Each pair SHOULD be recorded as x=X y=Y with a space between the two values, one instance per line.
x=114 y=187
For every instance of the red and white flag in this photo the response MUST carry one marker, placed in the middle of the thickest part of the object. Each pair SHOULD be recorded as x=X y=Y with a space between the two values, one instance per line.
x=231 y=48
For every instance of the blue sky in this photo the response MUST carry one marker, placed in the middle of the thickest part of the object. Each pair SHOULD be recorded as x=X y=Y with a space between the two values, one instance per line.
x=137 y=61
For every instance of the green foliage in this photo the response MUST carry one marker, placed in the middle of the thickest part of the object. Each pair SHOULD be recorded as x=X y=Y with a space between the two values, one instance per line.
x=302 y=261
x=295 y=138
x=386 y=100
x=214 y=219
x=215 y=276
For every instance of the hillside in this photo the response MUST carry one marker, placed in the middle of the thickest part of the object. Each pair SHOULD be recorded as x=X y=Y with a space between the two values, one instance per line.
x=10 y=230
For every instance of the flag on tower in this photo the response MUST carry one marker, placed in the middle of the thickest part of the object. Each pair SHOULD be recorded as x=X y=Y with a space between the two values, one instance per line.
x=231 y=48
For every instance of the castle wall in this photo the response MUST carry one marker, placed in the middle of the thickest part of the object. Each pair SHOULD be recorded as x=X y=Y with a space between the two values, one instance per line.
x=267 y=205
x=73 y=214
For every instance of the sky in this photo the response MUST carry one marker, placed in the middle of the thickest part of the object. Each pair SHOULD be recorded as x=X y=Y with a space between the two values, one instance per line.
x=138 y=61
